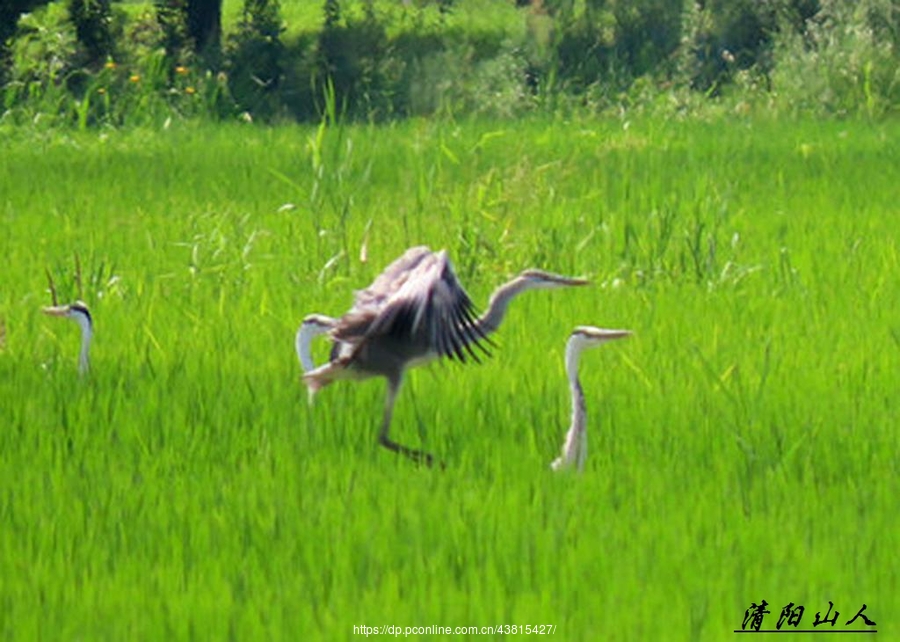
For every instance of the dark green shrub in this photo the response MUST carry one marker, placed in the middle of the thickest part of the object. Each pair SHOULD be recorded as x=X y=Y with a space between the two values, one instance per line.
x=609 y=41
x=176 y=40
x=846 y=61
x=204 y=26
x=569 y=46
x=91 y=19
x=726 y=36
x=191 y=27
x=353 y=59
x=255 y=58
x=42 y=58
x=647 y=34
x=10 y=10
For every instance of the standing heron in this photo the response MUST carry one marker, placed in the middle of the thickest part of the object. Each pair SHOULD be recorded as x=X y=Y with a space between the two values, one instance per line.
x=574 y=449
x=79 y=313
x=416 y=311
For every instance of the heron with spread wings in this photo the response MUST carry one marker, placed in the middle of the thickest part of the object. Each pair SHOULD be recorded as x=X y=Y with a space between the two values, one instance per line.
x=416 y=311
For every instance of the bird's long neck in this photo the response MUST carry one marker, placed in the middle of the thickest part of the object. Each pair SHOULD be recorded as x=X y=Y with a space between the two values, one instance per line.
x=86 y=334
x=573 y=354
x=496 y=310
x=312 y=326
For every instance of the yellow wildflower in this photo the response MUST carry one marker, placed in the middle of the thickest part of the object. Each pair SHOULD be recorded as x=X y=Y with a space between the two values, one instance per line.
x=190 y=90
x=135 y=78
x=181 y=70
x=110 y=64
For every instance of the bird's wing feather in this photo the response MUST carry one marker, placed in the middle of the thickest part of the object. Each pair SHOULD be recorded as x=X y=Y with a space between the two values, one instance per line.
x=371 y=303
x=417 y=299
x=413 y=262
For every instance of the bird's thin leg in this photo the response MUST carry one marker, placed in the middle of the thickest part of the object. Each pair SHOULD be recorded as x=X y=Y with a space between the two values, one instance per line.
x=384 y=439
x=419 y=423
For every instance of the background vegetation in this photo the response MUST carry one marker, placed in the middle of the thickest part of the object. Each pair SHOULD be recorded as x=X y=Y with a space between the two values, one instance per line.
x=90 y=62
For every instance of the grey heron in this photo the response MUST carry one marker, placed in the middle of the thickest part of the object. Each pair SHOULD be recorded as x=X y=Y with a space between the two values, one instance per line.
x=414 y=312
x=79 y=313
x=574 y=449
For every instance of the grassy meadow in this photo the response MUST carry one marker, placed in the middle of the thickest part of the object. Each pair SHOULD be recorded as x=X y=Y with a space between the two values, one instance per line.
x=743 y=443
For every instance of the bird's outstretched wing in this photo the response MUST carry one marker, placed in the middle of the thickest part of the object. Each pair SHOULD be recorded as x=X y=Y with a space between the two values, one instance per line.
x=413 y=264
x=419 y=300
x=369 y=303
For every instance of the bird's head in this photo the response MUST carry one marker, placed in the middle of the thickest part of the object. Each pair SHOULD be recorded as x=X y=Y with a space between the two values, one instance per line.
x=77 y=311
x=546 y=280
x=587 y=336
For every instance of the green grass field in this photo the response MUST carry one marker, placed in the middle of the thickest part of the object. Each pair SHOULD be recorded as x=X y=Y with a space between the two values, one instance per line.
x=743 y=444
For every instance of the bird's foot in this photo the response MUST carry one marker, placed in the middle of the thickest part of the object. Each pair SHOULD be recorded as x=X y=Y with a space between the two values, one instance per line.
x=418 y=456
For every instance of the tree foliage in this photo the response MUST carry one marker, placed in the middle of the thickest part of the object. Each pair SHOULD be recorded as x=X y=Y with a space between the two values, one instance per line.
x=91 y=19
x=10 y=10
x=369 y=60
x=190 y=27
x=256 y=54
